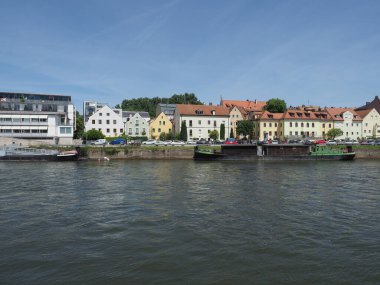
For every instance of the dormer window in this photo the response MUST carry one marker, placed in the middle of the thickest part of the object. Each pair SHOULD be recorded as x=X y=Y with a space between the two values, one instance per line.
x=291 y=114
x=213 y=112
x=199 y=112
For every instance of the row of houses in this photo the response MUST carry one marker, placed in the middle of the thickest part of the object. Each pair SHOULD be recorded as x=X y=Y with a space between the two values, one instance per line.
x=200 y=120
x=52 y=118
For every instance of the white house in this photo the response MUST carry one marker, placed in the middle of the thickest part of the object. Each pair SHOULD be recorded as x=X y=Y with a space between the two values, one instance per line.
x=201 y=120
x=348 y=121
x=108 y=121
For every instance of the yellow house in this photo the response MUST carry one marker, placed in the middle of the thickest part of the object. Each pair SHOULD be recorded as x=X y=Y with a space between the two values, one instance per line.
x=160 y=125
x=268 y=125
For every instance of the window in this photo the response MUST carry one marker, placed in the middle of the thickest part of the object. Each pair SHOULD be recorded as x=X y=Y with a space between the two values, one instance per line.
x=114 y=122
x=108 y=114
x=115 y=131
x=130 y=131
x=93 y=122
x=199 y=122
x=159 y=130
x=290 y=124
x=121 y=131
x=100 y=114
x=214 y=123
x=270 y=124
x=154 y=130
x=323 y=125
x=296 y=124
x=100 y=122
x=65 y=130
x=307 y=125
x=302 y=125
x=163 y=123
x=191 y=133
x=191 y=123
x=108 y=130
x=160 y=123
x=312 y=124
x=329 y=125
x=108 y=122
x=137 y=131
x=265 y=124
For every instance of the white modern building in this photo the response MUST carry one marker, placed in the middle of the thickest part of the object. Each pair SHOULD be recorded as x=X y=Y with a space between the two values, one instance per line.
x=90 y=108
x=50 y=118
x=201 y=120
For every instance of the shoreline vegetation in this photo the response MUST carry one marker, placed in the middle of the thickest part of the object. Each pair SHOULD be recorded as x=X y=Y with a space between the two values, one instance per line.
x=183 y=152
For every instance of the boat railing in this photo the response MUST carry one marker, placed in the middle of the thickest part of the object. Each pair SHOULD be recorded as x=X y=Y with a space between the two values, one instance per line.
x=19 y=150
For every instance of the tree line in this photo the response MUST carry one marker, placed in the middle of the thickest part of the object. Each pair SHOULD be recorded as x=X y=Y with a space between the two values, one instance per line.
x=149 y=104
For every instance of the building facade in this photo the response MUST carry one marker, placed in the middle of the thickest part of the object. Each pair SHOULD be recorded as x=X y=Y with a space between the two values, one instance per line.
x=347 y=120
x=37 y=116
x=108 y=121
x=201 y=120
x=370 y=123
x=160 y=125
x=90 y=108
x=136 y=126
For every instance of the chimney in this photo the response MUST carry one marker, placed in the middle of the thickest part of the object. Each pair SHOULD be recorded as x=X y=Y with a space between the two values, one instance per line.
x=255 y=101
x=209 y=103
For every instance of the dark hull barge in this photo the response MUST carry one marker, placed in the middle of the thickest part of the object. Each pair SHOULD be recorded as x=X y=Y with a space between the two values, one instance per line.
x=18 y=153
x=276 y=152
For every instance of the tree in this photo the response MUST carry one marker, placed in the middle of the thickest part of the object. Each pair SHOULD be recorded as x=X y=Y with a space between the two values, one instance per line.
x=222 y=132
x=183 y=133
x=275 y=105
x=149 y=104
x=93 y=135
x=244 y=127
x=231 y=133
x=79 y=126
x=333 y=133
x=214 y=135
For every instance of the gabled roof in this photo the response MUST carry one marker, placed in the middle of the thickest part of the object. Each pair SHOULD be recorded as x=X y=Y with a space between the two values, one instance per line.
x=364 y=113
x=337 y=113
x=370 y=105
x=202 y=110
x=247 y=105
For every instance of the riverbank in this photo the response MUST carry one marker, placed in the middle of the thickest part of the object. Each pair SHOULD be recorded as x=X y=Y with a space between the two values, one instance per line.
x=158 y=152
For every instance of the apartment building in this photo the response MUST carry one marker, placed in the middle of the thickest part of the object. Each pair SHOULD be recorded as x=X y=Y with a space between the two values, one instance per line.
x=37 y=117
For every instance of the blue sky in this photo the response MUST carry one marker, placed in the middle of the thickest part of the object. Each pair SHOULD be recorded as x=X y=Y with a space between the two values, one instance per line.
x=323 y=53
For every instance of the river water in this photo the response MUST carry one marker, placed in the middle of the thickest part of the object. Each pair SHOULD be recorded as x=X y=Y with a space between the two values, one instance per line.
x=186 y=222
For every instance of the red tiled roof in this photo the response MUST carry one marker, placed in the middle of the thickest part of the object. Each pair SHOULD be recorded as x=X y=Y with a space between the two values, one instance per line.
x=302 y=114
x=337 y=113
x=363 y=113
x=248 y=105
x=202 y=110
x=271 y=116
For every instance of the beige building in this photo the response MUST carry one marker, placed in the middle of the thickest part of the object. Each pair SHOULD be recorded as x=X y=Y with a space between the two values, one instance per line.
x=268 y=125
x=370 y=124
x=160 y=125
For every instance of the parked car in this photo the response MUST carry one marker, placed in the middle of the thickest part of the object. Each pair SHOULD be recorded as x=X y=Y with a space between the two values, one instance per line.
x=160 y=143
x=177 y=143
x=331 y=142
x=274 y=141
x=320 y=142
x=191 y=142
x=168 y=142
x=377 y=143
x=118 y=141
x=149 y=142
x=100 y=142
x=202 y=141
x=231 y=141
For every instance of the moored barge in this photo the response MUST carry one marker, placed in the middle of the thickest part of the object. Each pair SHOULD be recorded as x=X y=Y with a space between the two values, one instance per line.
x=276 y=152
